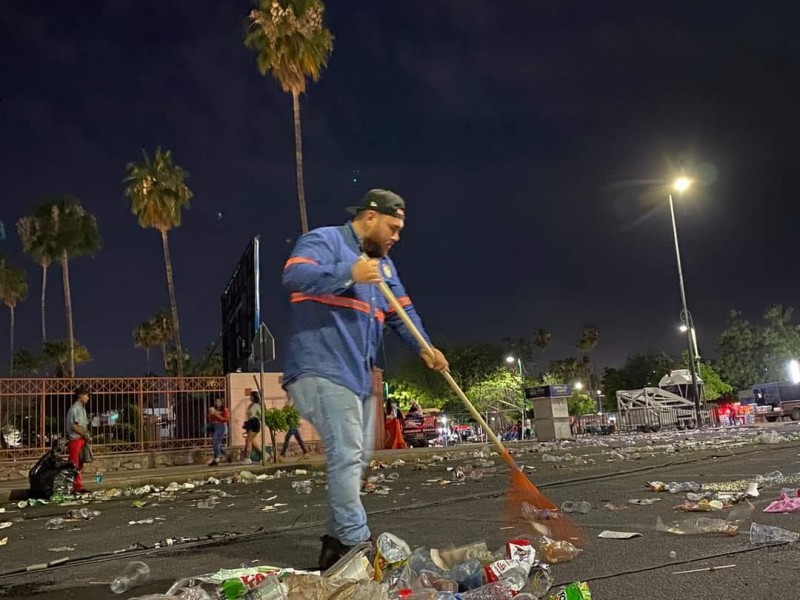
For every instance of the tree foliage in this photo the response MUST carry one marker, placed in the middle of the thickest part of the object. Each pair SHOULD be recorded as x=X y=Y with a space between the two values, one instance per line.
x=750 y=353
x=280 y=419
x=639 y=371
x=580 y=404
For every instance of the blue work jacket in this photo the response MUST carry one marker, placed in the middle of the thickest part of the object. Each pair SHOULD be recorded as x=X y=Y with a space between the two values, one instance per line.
x=336 y=325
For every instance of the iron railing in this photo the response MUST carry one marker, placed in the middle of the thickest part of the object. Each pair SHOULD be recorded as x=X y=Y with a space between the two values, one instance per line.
x=137 y=414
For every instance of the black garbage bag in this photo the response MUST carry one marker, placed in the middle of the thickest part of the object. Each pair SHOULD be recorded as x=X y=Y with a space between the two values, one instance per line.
x=51 y=475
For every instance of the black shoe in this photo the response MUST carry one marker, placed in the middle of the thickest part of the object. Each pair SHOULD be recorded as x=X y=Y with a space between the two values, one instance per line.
x=332 y=551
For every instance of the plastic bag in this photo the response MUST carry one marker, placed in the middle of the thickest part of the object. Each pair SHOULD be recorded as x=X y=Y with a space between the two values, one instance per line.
x=51 y=475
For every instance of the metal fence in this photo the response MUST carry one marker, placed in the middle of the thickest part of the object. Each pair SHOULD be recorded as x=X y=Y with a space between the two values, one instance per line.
x=125 y=414
x=657 y=419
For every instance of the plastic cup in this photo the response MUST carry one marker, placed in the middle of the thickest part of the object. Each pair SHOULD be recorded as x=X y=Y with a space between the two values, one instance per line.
x=767 y=534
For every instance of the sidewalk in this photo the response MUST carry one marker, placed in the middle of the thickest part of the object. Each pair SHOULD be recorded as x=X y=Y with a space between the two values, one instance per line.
x=16 y=489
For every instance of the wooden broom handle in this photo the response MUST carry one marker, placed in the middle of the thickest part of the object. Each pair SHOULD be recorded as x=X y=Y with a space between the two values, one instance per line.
x=401 y=312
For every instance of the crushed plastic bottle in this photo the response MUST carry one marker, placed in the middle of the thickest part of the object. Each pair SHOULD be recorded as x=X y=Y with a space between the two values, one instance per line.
x=302 y=487
x=55 y=523
x=136 y=573
x=499 y=590
x=674 y=487
x=769 y=478
x=582 y=507
x=697 y=525
x=82 y=513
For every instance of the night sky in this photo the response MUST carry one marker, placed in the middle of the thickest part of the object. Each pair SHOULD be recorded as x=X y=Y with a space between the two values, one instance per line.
x=531 y=141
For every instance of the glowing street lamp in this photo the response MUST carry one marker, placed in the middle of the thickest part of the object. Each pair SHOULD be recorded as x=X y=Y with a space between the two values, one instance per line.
x=578 y=386
x=680 y=185
x=511 y=360
x=794 y=371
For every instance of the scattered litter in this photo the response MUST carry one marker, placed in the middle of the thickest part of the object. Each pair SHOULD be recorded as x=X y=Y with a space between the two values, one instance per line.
x=703 y=570
x=582 y=507
x=6 y=524
x=610 y=506
x=784 y=504
x=302 y=487
x=4 y=541
x=618 y=535
x=673 y=555
x=698 y=525
x=643 y=501
x=149 y=521
x=767 y=534
x=62 y=549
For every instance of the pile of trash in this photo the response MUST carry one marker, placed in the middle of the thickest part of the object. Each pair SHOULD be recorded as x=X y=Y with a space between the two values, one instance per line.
x=520 y=569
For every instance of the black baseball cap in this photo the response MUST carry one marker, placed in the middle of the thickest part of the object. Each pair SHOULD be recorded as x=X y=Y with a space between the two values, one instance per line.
x=382 y=201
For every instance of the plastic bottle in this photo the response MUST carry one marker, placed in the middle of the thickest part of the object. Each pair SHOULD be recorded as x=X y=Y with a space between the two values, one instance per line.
x=55 y=523
x=136 y=573
x=540 y=580
x=468 y=574
x=494 y=591
x=582 y=507
x=697 y=525
x=82 y=513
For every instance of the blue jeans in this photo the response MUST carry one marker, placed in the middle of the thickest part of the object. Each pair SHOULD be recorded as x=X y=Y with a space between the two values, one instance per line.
x=220 y=429
x=346 y=423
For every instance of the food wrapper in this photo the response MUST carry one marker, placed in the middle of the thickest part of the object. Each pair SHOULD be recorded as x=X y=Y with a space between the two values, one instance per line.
x=574 y=591
x=390 y=551
x=253 y=587
x=521 y=551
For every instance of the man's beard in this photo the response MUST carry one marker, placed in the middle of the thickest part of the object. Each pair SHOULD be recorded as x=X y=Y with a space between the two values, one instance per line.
x=372 y=249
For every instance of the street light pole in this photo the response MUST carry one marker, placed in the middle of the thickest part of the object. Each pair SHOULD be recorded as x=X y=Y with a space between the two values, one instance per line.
x=510 y=359
x=681 y=185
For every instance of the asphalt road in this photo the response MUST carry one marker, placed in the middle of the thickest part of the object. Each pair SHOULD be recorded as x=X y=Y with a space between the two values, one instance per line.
x=427 y=513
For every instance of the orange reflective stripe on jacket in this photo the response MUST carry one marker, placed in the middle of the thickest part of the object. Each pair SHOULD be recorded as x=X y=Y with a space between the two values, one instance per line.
x=299 y=260
x=339 y=301
x=403 y=300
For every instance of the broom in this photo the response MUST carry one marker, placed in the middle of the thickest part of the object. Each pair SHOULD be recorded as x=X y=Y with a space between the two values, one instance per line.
x=525 y=503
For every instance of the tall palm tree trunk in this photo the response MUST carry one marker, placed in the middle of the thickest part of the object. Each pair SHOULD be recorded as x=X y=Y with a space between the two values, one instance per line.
x=164 y=357
x=44 y=294
x=298 y=161
x=147 y=354
x=11 y=344
x=176 y=331
x=68 y=309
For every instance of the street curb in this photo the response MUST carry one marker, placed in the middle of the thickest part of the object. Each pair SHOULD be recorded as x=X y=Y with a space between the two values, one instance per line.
x=17 y=489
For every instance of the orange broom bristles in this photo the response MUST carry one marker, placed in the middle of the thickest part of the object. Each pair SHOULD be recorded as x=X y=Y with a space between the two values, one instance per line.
x=528 y=509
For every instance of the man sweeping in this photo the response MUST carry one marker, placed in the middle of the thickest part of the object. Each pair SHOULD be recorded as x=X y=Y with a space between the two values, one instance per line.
x=337 y=318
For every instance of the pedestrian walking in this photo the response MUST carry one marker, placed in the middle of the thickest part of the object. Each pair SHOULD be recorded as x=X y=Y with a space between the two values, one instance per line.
x=294 y=432
x=336 y=326
x=252 y=427
x=218 y=418
x=77 y=432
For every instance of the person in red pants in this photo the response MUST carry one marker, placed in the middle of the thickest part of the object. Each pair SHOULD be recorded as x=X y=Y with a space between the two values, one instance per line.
x=77 y=432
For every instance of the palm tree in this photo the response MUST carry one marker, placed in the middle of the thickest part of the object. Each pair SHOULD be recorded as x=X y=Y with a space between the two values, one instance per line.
x=586 y=343
x=75 y=234
x=27 y=364
x=146 y=336
x=13 y=289
x=161 y=324
x=292 y=43
x=61 y=352
x=542 y=339
x=158 y=193
x=38 y=240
